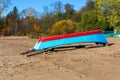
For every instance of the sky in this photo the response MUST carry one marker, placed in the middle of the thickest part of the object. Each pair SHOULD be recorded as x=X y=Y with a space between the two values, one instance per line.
x=39 y=4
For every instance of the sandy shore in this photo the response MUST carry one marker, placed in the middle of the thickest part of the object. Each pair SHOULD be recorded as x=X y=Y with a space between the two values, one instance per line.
x=95 y=63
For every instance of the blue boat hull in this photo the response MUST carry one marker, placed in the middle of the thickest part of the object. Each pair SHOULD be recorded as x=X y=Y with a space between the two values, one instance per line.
x=97 y=38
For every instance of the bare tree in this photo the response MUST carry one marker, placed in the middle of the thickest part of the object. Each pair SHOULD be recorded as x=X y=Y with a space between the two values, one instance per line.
x=58 y=6
x=28 y=12
x=3 y=5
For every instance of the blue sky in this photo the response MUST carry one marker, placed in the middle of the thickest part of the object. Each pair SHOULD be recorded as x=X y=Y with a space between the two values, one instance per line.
x=39 y=4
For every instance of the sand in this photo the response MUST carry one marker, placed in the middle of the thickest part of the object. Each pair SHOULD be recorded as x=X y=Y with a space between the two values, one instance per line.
x=92 y=63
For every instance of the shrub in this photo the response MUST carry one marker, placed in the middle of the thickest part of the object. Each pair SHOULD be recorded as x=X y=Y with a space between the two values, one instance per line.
x=63 y=27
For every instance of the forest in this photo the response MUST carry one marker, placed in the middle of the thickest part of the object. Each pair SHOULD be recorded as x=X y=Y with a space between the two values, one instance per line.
x=60 y=18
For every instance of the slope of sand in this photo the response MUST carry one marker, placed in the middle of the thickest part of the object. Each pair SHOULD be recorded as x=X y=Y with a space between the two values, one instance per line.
x=95 y=63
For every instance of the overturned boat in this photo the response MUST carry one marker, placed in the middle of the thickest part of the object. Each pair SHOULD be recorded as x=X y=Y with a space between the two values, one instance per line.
x=95 y=36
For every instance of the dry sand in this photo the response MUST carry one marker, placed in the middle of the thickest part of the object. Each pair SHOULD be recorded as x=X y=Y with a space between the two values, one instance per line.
x=98 y=63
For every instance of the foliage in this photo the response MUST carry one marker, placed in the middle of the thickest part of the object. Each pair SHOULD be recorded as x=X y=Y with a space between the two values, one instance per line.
x=12 y=21
x=47 y=22
x=108 y=10
x=63 y=27
x=88 y=21
x=59 y=18
x=2 y=28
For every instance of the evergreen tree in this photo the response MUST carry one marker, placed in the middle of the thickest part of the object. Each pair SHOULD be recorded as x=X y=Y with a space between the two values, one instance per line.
x=12 y=21
x=69 y=11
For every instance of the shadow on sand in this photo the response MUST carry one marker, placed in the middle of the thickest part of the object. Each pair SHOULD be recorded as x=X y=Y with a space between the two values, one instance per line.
x=64 y=48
